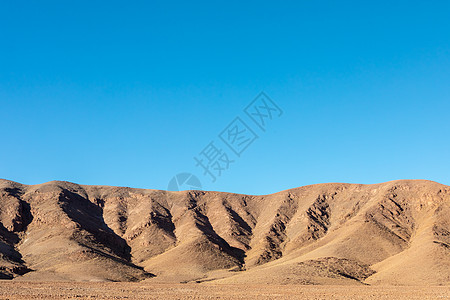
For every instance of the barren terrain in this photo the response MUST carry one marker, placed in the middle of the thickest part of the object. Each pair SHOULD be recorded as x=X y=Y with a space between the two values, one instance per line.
x=390 y=234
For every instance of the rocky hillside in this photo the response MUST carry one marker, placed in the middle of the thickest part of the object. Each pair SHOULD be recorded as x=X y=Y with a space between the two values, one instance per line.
x=391 y=233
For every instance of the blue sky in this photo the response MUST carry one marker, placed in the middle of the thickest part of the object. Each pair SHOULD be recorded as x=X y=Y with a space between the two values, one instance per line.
x=129 y=93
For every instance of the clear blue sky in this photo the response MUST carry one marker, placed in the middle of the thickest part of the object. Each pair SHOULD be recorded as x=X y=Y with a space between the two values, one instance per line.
x=120 y=93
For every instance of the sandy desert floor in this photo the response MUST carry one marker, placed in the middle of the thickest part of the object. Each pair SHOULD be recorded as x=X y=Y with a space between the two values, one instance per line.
x=101 y=290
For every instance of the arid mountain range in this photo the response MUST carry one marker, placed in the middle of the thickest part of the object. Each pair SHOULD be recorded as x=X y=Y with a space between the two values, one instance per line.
x=394 y=233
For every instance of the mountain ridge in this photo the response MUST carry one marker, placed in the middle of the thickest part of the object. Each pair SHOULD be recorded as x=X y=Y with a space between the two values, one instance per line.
x=333 y=233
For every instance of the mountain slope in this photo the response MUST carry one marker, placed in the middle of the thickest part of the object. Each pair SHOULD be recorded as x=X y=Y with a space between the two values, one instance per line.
x=391 y=233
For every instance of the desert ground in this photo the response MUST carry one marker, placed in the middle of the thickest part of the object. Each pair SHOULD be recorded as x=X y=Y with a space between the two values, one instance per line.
x=127 y=290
